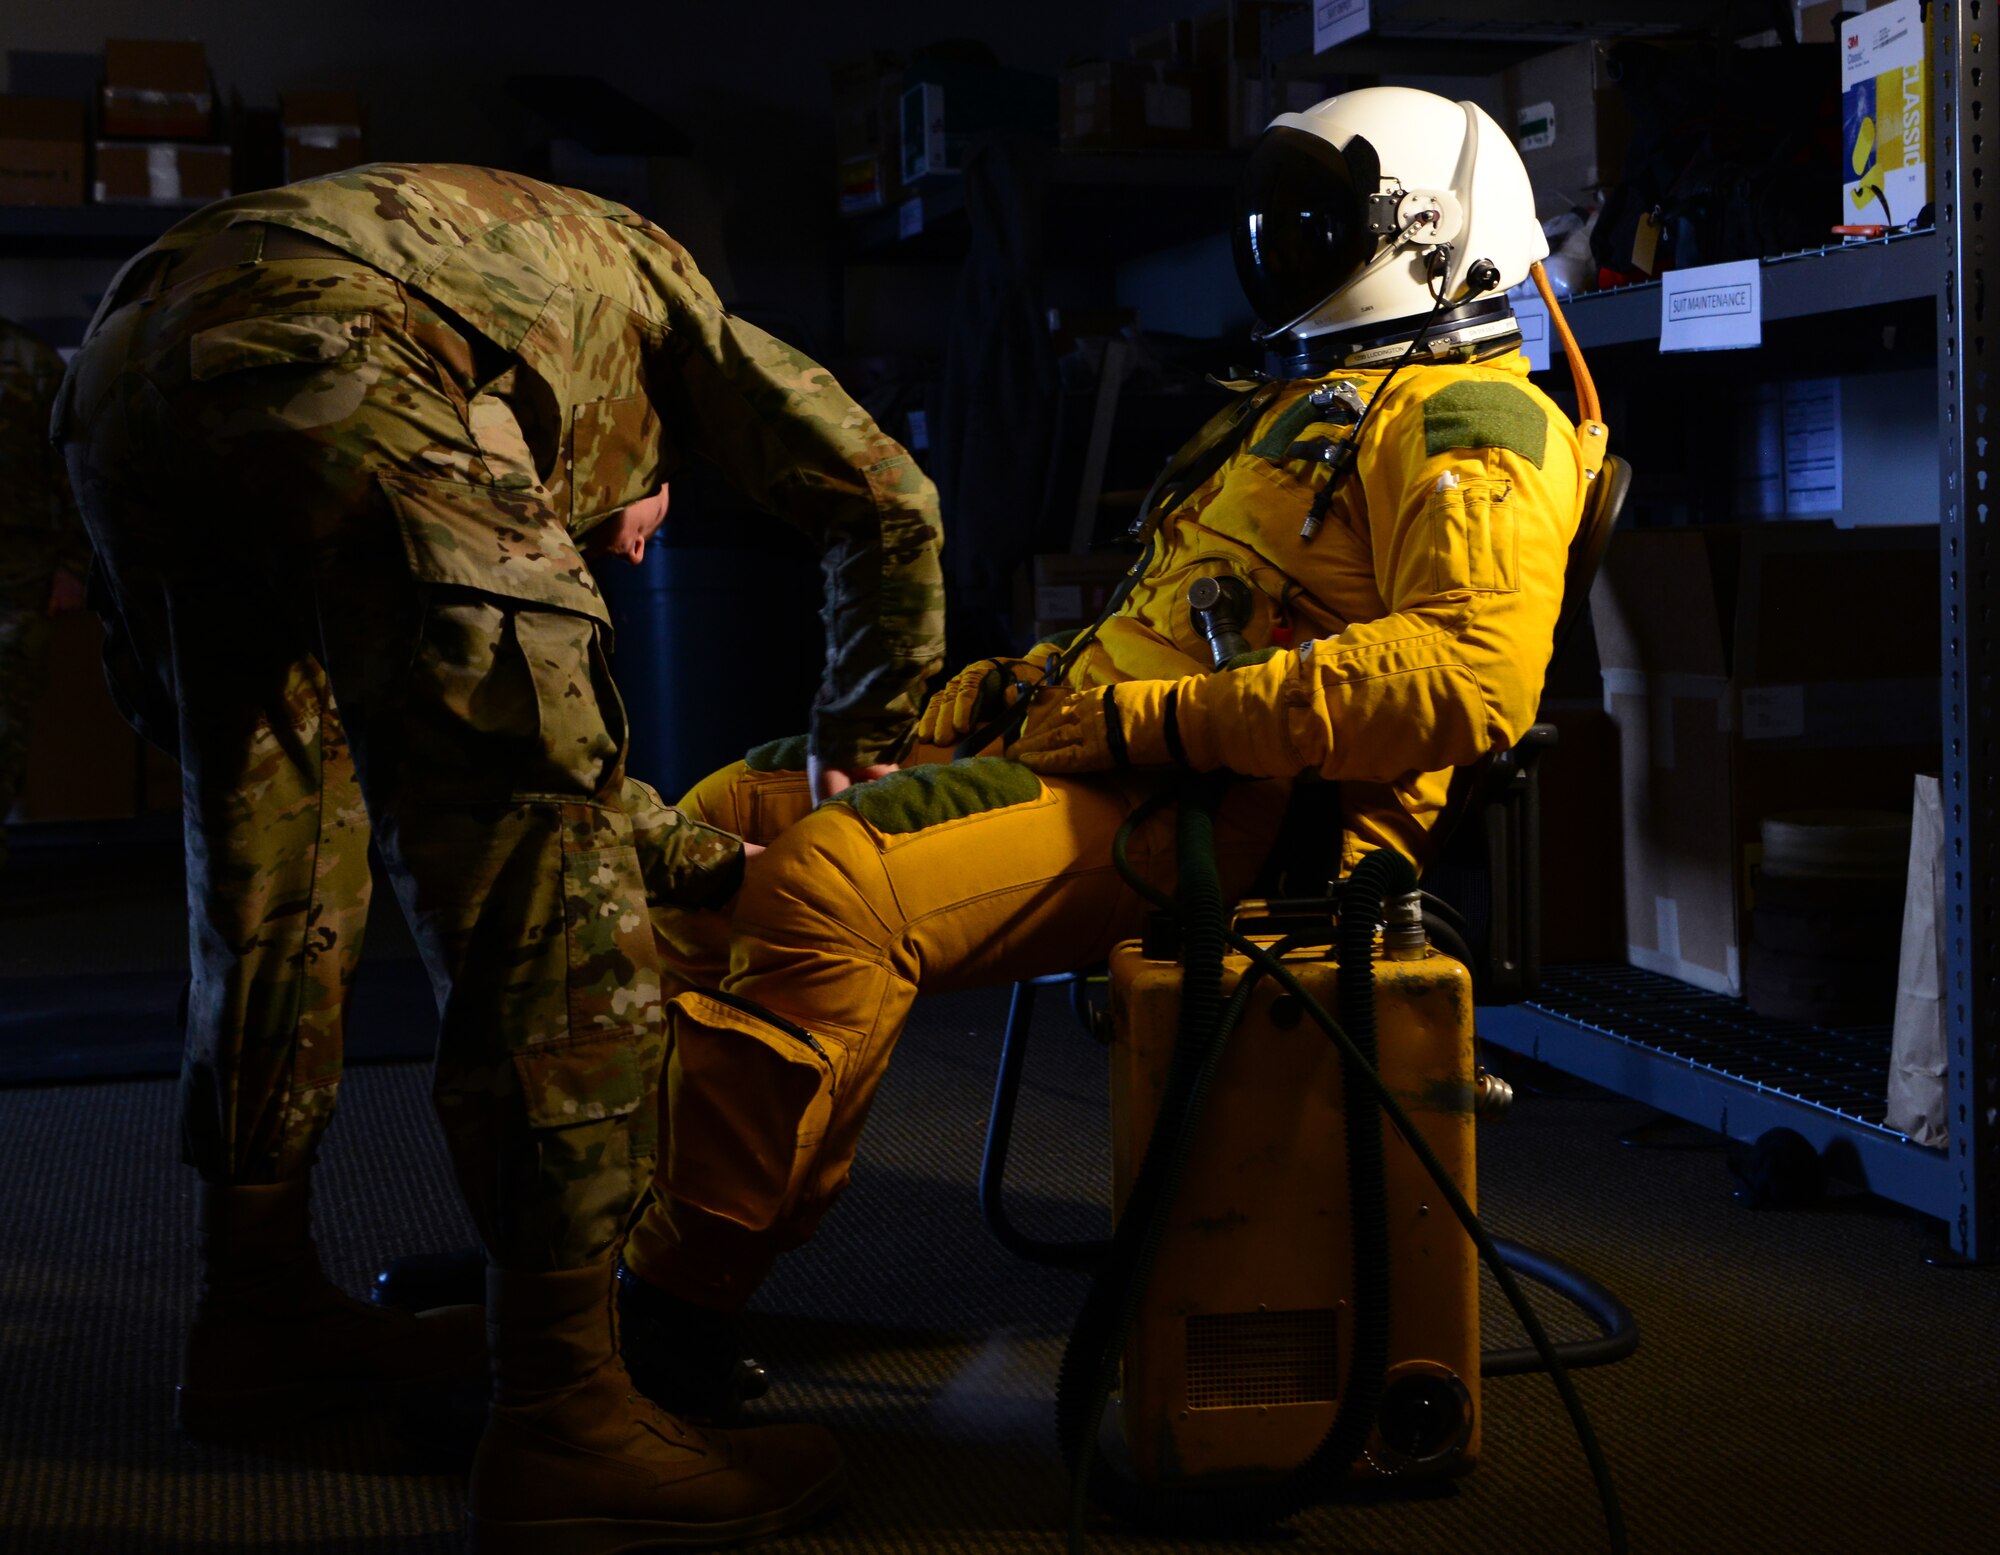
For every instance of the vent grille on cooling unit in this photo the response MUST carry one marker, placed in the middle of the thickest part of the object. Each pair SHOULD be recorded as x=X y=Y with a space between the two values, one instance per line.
x=1239 y=1360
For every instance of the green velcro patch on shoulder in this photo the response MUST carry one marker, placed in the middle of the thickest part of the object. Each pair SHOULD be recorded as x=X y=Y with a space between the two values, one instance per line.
x=1284 y=431
x=1252 y=657
x=786 y=755
x=917 y=798
x=1485 y=415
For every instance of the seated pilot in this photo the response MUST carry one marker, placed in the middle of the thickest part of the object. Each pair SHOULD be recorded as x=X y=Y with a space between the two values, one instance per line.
x=1398 y=510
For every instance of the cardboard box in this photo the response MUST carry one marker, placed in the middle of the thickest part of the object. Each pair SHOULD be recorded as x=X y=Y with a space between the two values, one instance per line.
x=1749 y=673
x=161 y=173
x=41 y=151
x=1238 y=31
x=1253 y=95
x=1818 y=21
x=1130 y=103
x=323 y=132
x=1885 y=118
x=156 y=90
x=1568 y=123
x=1063 y=593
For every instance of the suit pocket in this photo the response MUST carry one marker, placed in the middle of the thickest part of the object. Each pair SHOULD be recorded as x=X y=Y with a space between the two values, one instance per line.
x=1471 y=524
x=750 y=1099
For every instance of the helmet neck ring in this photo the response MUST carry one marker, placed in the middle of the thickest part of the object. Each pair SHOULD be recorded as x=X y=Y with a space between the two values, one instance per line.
x=1479 y=327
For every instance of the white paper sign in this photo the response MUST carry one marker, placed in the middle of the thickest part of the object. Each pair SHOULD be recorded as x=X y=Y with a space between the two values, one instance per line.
x=910 y=217
x=1713 y=307
x=1812 y=446
x=1335 y=21
x=1532 y=314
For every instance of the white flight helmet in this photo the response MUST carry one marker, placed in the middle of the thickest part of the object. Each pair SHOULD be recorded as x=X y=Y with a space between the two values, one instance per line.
x=1380 y=205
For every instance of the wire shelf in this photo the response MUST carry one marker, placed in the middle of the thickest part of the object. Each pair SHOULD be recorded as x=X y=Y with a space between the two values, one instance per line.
x=1844 y=1069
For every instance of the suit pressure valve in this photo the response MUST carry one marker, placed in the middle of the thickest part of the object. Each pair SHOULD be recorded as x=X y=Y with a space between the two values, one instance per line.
x=1221 y=609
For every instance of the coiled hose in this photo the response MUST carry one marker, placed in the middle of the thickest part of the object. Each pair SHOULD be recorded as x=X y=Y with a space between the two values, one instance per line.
x=1090 y=1361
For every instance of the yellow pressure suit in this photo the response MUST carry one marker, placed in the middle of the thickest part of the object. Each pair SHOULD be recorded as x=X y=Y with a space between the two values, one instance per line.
x=1407 y=638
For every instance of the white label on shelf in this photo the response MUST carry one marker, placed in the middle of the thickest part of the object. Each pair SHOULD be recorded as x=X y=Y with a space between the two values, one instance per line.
x=1890 y=37
x=1713 y=307
x=1535 y=127
x=910 y=217
x=1335 y=21
x=1533 y=316
x=1169 y=107
x=920 y=431
x=1059 y=602
x=1774 y=712
x=163 y=172
x=1813 y=476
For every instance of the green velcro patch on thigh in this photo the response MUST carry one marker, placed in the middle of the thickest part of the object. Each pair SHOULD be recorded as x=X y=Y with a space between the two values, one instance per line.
x=1485 y=415
x=786 y=755
x=917 y=798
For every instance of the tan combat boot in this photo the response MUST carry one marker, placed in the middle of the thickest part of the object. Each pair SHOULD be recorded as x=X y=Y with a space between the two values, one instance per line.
x=274 y=1341
x=575 y=1461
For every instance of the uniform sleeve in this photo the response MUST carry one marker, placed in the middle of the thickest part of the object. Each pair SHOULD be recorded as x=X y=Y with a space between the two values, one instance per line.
x=1471 y=495
x=788 y=437
x=36 y=507
x=72 y=543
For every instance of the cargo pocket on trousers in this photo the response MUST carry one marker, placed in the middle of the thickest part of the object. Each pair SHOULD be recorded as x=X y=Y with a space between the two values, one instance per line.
x=513 y=651
x=592 y=1125
x=749 y=1100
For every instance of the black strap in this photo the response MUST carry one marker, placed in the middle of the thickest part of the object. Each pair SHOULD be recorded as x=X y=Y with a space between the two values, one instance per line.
x=1114 y=730
x=1173 y=727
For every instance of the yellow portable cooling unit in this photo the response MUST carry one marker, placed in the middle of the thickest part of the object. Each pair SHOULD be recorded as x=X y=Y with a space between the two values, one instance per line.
x=1236 y=1361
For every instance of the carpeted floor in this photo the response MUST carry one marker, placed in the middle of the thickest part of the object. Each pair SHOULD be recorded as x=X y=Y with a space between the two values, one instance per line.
x=1806 y=1382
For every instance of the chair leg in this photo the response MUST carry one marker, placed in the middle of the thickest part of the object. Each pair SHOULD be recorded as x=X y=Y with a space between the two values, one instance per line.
x=1000 y=1136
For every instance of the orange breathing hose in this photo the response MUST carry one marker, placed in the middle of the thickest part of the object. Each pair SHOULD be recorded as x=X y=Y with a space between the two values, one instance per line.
x=1587 y=407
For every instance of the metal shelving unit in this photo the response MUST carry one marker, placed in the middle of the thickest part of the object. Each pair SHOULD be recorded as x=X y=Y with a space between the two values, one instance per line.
x=1706 y=1059
x=1901 y=268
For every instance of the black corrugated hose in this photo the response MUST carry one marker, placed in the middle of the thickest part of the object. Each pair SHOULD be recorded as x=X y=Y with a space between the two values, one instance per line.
x=1090 y=1362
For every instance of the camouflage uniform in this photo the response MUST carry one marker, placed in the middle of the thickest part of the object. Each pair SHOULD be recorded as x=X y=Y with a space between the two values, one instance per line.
x=39 y=533
x=333 y=442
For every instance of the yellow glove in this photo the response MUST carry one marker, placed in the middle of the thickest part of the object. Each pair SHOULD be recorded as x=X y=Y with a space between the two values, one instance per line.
x=977 y=695
x=1131 y=724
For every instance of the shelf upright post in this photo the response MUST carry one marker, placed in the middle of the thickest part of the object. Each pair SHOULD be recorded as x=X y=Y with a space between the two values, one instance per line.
x=1967 y=119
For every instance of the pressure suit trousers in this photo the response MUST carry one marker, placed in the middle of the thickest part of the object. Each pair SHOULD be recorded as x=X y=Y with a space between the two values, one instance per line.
x=783 y=1014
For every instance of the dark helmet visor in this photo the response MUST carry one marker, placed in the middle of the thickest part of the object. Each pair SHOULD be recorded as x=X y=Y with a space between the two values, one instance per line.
x=1301 y=221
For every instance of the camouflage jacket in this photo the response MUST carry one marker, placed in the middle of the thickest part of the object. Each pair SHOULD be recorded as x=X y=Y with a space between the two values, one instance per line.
x=627 y=361
x=39 y=526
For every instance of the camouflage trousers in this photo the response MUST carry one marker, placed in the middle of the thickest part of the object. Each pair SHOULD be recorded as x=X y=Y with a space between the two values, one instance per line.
x=340 y=594
x=24 y=658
